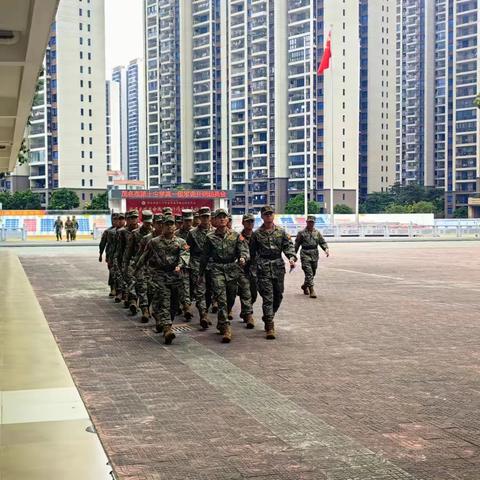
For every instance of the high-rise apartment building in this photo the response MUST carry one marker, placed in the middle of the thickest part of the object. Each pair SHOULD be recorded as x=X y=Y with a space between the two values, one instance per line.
x=67 y=135
x=244 y=84
x=113 y=126
x=182 y=48
x=119 y=76
x=438 y=76
x=136 y=166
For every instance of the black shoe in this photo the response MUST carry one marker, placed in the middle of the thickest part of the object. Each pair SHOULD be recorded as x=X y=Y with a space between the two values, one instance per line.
x=133 y=310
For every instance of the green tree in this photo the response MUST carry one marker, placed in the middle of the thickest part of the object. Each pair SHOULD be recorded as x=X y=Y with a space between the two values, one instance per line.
x=21 y=201
x=99 y=202
x=196 y=183
x=461 y=212
x=296 y=206
x=477 y=100
x=64 y=199
x=342 y=208
x=422 y=207
x=397 y=208
x=376 y=202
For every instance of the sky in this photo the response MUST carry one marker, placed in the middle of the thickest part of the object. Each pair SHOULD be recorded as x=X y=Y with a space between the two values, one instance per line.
x=123 y=32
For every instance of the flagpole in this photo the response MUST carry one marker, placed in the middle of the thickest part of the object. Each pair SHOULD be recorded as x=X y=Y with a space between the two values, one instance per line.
x=332 y=217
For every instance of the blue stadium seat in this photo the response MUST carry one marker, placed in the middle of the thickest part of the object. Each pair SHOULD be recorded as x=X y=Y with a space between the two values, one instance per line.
x=83 y=225
x=12 y=223
x=46 y=225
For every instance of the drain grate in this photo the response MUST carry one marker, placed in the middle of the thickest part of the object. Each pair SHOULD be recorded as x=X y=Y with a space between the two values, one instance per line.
x=183 y=327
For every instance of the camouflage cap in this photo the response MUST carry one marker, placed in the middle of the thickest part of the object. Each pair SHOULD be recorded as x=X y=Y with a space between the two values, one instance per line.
x=204 y=211
x=178 y=218
x=196 y=215
x=167 y=210
x=147 y=216
x=168 y=219
x=267 y=209
x=311 y=218
x=158 y=217
x=248 y=217
x=220 y=211
x=132 y=214
x=120 y=215
x=187 y=214
x=114 y=216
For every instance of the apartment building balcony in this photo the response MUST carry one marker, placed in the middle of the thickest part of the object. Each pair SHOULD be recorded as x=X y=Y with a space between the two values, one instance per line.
x=200 y=6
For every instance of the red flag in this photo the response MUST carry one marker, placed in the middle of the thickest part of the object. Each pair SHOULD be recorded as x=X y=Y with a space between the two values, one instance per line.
x=327 y=54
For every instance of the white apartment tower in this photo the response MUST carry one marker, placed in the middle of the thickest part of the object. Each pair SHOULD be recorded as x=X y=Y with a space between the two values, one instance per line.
x=67 y=136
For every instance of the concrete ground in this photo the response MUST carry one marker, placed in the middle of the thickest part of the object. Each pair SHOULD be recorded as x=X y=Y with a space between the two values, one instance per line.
x=377 y=379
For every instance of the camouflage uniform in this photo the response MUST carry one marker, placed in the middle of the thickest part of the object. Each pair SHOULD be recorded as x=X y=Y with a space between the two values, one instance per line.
x=58 y=225
x=163 y=256
x=116 y=266
x=267 y=248
x=309 y=241
x=105 y=246
x=187 y=290
x=247 y=285
x=75 y=228
x=196 y=240
x=69 y=228
x=224 y=252
x=136 y=289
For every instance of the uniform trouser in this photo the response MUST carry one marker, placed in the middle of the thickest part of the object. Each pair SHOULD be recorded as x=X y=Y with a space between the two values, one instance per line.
x=141 y=289
x=58 y=233
x=130 y=282
x=198 y=293
x=166 y=288
x=111 y=282
x=247 y=291
x=271 y=289
x=309 y=267
x=209 y=290
x=186 y=291
x=69 y=235
x=74 y=234
x=118 y=276
x=225 y=291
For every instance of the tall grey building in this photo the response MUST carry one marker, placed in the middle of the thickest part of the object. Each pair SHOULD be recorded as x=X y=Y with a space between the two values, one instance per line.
x=438 y=133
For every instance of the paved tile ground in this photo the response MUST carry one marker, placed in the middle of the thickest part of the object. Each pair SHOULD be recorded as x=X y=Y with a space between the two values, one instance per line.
x=378 y=379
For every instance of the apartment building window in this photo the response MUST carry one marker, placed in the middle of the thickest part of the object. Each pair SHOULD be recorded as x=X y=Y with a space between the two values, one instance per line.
x=91 y=155
x=82 y=140
x=89 y=56
x=91 y=182
x=83 y=196
x=81 y=83
x=83 y=168
x=81 y=69
x=88 y=27
x=80 y=25
x=83 y=153
x=81 y=55
x=91 y=168
x=83 y=182
x=80 y=11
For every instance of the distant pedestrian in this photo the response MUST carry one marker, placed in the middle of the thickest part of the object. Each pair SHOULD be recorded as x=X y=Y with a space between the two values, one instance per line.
x=69 y=229
x=58 y=226
x=75 y=227
x=310 y=239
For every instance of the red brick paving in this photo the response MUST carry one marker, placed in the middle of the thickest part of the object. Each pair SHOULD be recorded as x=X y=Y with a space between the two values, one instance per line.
x=389 y=355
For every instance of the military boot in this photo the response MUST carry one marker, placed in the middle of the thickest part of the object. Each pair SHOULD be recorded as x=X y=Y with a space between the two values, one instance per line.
x=230 y=315
x=204 y=320
x=112 y=292
x=118 y=298
x=269 y=331
x=214 y=307
x=133 y=308
x=250 y=322
x=220 y=328
x=312 y=292
x=126 y=303
x=168 y=334
x=227 y=334
x=158 y=327
x=145 y=315
x=305 y=289
x=187 y=312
